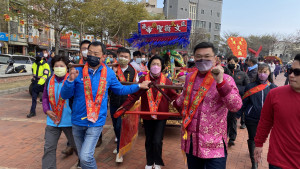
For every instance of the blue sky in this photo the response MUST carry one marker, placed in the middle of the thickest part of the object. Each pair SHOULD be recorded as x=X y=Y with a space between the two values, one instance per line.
x=259 y=16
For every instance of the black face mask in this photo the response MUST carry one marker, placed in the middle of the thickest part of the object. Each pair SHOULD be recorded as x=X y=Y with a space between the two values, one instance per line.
x=231 y=66
x=93 y=61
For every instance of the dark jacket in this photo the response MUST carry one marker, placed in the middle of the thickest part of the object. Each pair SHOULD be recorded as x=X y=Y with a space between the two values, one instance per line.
x=118 y=100
x=252 y=75
x=253 y=104
x=241 y=79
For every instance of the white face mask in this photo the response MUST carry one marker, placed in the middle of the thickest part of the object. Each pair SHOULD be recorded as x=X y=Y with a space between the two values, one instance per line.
x=84 y=53
x=45 y=55
x=143 y=59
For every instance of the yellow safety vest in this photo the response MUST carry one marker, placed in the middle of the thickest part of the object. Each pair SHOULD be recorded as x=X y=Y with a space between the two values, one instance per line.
x=43 y=71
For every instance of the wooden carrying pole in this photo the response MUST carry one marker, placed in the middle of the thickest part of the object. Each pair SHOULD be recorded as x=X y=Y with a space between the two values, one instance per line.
x=159 y=86
x=153 y=113
x=70 y=65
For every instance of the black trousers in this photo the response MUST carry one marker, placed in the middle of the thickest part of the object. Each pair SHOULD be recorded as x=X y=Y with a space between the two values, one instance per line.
x=251 y=128
x=35 y=93
x=231 y=126
x=243 y=118
x=154 y=130
x=205 y=163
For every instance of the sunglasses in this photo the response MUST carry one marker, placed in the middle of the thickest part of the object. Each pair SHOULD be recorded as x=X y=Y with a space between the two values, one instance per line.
x=296 y=71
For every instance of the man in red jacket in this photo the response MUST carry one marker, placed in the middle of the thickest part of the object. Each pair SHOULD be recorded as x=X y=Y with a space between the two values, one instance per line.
x=281 y=113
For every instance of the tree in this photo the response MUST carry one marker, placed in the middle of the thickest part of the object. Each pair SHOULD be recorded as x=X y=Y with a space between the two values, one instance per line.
x=266 y=41
x=53 y=14
x=199 y=35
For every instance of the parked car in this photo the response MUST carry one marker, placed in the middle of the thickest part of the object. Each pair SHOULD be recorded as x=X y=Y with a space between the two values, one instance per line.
x=18 y=60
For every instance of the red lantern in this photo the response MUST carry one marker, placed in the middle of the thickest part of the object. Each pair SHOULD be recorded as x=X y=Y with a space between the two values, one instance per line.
x=22 y=22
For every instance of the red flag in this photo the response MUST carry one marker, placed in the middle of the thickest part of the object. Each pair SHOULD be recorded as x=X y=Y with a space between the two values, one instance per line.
x=129 y=130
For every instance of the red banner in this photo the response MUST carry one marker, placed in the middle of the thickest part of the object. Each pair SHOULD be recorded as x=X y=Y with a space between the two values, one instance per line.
x=129 y=130
x=164 y=26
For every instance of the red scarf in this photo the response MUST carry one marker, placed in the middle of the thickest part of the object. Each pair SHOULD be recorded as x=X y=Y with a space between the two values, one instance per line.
x=189 y=110
x=256 y=89
x=57 y=108
x=93 y=108
x=121 y=76
x=154 y=104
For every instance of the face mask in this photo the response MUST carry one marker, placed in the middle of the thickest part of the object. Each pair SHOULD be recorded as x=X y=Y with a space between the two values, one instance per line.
x=155 y=69
x=123 y=61
x=203 y=65
x=263 y=76
x=144 y=59
x=84 y=53
x=138 y=60
x=45 y=55
x=93 y=61
x=231 y=66
x=60 y=71
x=192 y=60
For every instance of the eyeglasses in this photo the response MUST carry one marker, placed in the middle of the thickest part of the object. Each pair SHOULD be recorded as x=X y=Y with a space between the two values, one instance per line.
x=296 y=71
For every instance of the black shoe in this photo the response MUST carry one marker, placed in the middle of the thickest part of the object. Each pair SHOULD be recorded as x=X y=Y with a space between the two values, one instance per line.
x=67 y=151
x=231 y=143
x=31 y=115
x=243 y=126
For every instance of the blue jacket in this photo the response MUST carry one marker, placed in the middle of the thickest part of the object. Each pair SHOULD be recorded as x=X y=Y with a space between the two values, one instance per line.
x=66 y=114
x=253 y=104
x=76 y=89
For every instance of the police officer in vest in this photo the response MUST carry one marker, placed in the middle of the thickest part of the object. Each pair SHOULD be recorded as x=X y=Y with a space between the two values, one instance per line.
x=40 y=71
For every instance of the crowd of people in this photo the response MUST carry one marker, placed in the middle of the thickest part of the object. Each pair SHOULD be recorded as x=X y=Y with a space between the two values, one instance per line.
x=215 y=95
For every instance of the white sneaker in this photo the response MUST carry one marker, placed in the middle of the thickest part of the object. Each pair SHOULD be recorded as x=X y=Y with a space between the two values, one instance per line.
x=116 y=140
x=148 y=167
x=157 y=166
x=119 y=159
x=115 y=151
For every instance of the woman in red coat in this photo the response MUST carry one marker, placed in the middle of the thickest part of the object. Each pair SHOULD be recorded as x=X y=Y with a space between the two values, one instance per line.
x=154 y=125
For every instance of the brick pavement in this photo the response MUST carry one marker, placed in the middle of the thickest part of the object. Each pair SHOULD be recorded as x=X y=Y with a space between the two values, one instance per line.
x=21 y=144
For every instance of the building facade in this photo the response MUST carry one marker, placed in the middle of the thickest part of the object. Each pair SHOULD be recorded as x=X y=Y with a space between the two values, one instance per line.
x=205 y=14
x=151 y=6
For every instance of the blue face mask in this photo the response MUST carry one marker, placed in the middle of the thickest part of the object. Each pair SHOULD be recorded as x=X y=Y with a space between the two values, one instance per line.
x=138 y=60
x=93 y=61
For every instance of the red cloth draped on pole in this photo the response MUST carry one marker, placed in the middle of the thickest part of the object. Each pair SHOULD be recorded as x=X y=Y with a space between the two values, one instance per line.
x=129 y=129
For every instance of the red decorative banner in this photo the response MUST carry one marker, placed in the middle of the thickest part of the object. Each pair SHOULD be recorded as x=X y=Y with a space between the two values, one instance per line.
x=162 y=27
x=238 y=46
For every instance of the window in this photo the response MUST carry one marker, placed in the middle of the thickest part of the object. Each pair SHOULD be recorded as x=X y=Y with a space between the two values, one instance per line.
x=22 y=60
x=170 y=6
x=202 y=11
x=185 y=9
x=202 y=24
x=211 y=12
x=218 y=14
x=217 y=26
x=181 y=9
x=216 y=37
x=209 y=27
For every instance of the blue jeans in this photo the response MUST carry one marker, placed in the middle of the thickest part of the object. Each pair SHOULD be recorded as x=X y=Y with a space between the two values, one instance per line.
x=117 y=123
x=86 y=139
x=273 y=167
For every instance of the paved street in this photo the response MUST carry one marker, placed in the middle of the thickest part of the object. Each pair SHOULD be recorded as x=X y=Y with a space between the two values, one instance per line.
x=22 y=141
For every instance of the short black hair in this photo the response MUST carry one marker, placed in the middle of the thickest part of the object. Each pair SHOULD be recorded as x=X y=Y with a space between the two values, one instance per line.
x=204 y=45
x=253 y=60
x=137 y=53
x=123 y=50
x=111 y=53
x=261 y=58
x=60 y=58
x=161 y=61
x=97 y=43
x=236 y=60
x=297 y=57
x=84 y=42
x=262 y=66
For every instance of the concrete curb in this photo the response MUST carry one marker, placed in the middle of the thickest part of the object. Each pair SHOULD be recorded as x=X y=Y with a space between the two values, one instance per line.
x=13 y=90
